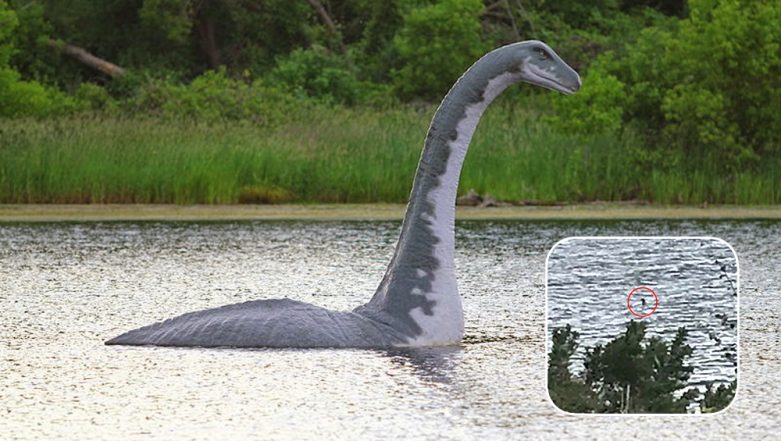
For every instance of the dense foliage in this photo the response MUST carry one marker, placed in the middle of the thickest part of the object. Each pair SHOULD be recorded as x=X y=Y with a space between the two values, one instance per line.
x=707 y=85
x=630 y=374
x=680 y=83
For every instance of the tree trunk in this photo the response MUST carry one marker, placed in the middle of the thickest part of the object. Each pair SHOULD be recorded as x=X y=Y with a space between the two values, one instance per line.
x=208 y=42
x=87 y=58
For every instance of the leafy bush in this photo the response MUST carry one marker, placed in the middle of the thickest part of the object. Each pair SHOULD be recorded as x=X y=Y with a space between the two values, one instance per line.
x=726 y=62
x=29 y=98
x=32 y=57
x=598 y=107
x=718 y=397
x=8 y=23
x=23 y=98
x=436 y=44
x=93 y=97
x=213 y=97
x=706 y=86
x=319 y=73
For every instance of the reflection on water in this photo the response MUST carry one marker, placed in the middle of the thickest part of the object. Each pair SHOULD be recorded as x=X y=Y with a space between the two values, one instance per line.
x=695 y=280
x=434 y=364
x=65 y=288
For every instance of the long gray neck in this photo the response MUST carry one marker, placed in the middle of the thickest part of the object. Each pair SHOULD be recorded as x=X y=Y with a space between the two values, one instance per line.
x=420 y=281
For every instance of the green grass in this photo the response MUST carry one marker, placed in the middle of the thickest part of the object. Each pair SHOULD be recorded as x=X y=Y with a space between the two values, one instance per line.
x=338 y=155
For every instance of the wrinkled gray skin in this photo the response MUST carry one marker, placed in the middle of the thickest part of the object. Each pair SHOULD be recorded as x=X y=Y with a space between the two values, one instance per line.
x=386 y=320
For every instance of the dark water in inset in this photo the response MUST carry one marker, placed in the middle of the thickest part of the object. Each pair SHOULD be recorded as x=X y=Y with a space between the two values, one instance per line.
x=696 y=286
x=67 y=287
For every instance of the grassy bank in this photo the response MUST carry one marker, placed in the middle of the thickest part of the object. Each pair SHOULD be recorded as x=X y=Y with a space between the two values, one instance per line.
x=352 y=156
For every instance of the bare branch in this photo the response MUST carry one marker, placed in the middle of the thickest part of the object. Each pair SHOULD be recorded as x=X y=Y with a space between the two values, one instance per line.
x=87 y=58
x=328 y=21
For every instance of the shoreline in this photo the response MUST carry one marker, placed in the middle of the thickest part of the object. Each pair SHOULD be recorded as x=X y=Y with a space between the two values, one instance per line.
x=377 y=212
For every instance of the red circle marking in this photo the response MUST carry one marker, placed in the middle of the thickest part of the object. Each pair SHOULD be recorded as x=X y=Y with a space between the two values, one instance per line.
x=642 y=288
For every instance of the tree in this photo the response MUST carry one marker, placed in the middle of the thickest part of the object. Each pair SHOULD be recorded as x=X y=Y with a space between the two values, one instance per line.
x=8 y=23
x=18 y=97
x=378 y=55
x=436 y=44
x=705 y=87
x=727 y=97
x=567 y=393
x=630 y=374
x=718 y=397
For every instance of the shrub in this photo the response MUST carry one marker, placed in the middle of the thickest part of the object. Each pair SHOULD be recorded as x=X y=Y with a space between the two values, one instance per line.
x=629 y=374
x=8 y=23
x=213 y=97
x=93 y=97
x=29 y=98
x=598 y=107
x=24 y=98
x=436 y=44
x=706 y=86
x=316 y=72
x=727 y=96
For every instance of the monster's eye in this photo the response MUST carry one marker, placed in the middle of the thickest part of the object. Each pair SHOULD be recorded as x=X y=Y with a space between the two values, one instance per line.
x=543 y=54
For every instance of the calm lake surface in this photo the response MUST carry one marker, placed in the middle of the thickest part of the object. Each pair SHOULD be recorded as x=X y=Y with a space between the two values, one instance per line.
x=696 y=286
x=67 y=287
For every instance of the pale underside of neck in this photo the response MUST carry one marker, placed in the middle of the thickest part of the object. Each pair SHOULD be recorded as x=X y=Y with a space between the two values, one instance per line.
x=419 y=294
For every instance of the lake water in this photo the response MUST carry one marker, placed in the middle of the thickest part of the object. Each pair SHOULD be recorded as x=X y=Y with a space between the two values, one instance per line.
x=694 y=283
x=65 y=288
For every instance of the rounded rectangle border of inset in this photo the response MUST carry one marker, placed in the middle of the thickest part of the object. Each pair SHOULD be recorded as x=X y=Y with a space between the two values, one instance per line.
x=736 y=288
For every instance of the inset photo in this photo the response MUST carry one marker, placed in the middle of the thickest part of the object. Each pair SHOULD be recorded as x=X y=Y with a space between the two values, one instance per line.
x=642 y=325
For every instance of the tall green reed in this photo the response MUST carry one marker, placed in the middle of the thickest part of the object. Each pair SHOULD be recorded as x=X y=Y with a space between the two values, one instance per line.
x=340 y=155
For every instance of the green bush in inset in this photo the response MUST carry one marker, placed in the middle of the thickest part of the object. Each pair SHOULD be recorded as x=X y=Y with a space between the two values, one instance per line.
x=630 y=374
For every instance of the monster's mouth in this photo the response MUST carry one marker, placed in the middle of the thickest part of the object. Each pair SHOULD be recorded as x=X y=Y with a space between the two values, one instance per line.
x=545 y=79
